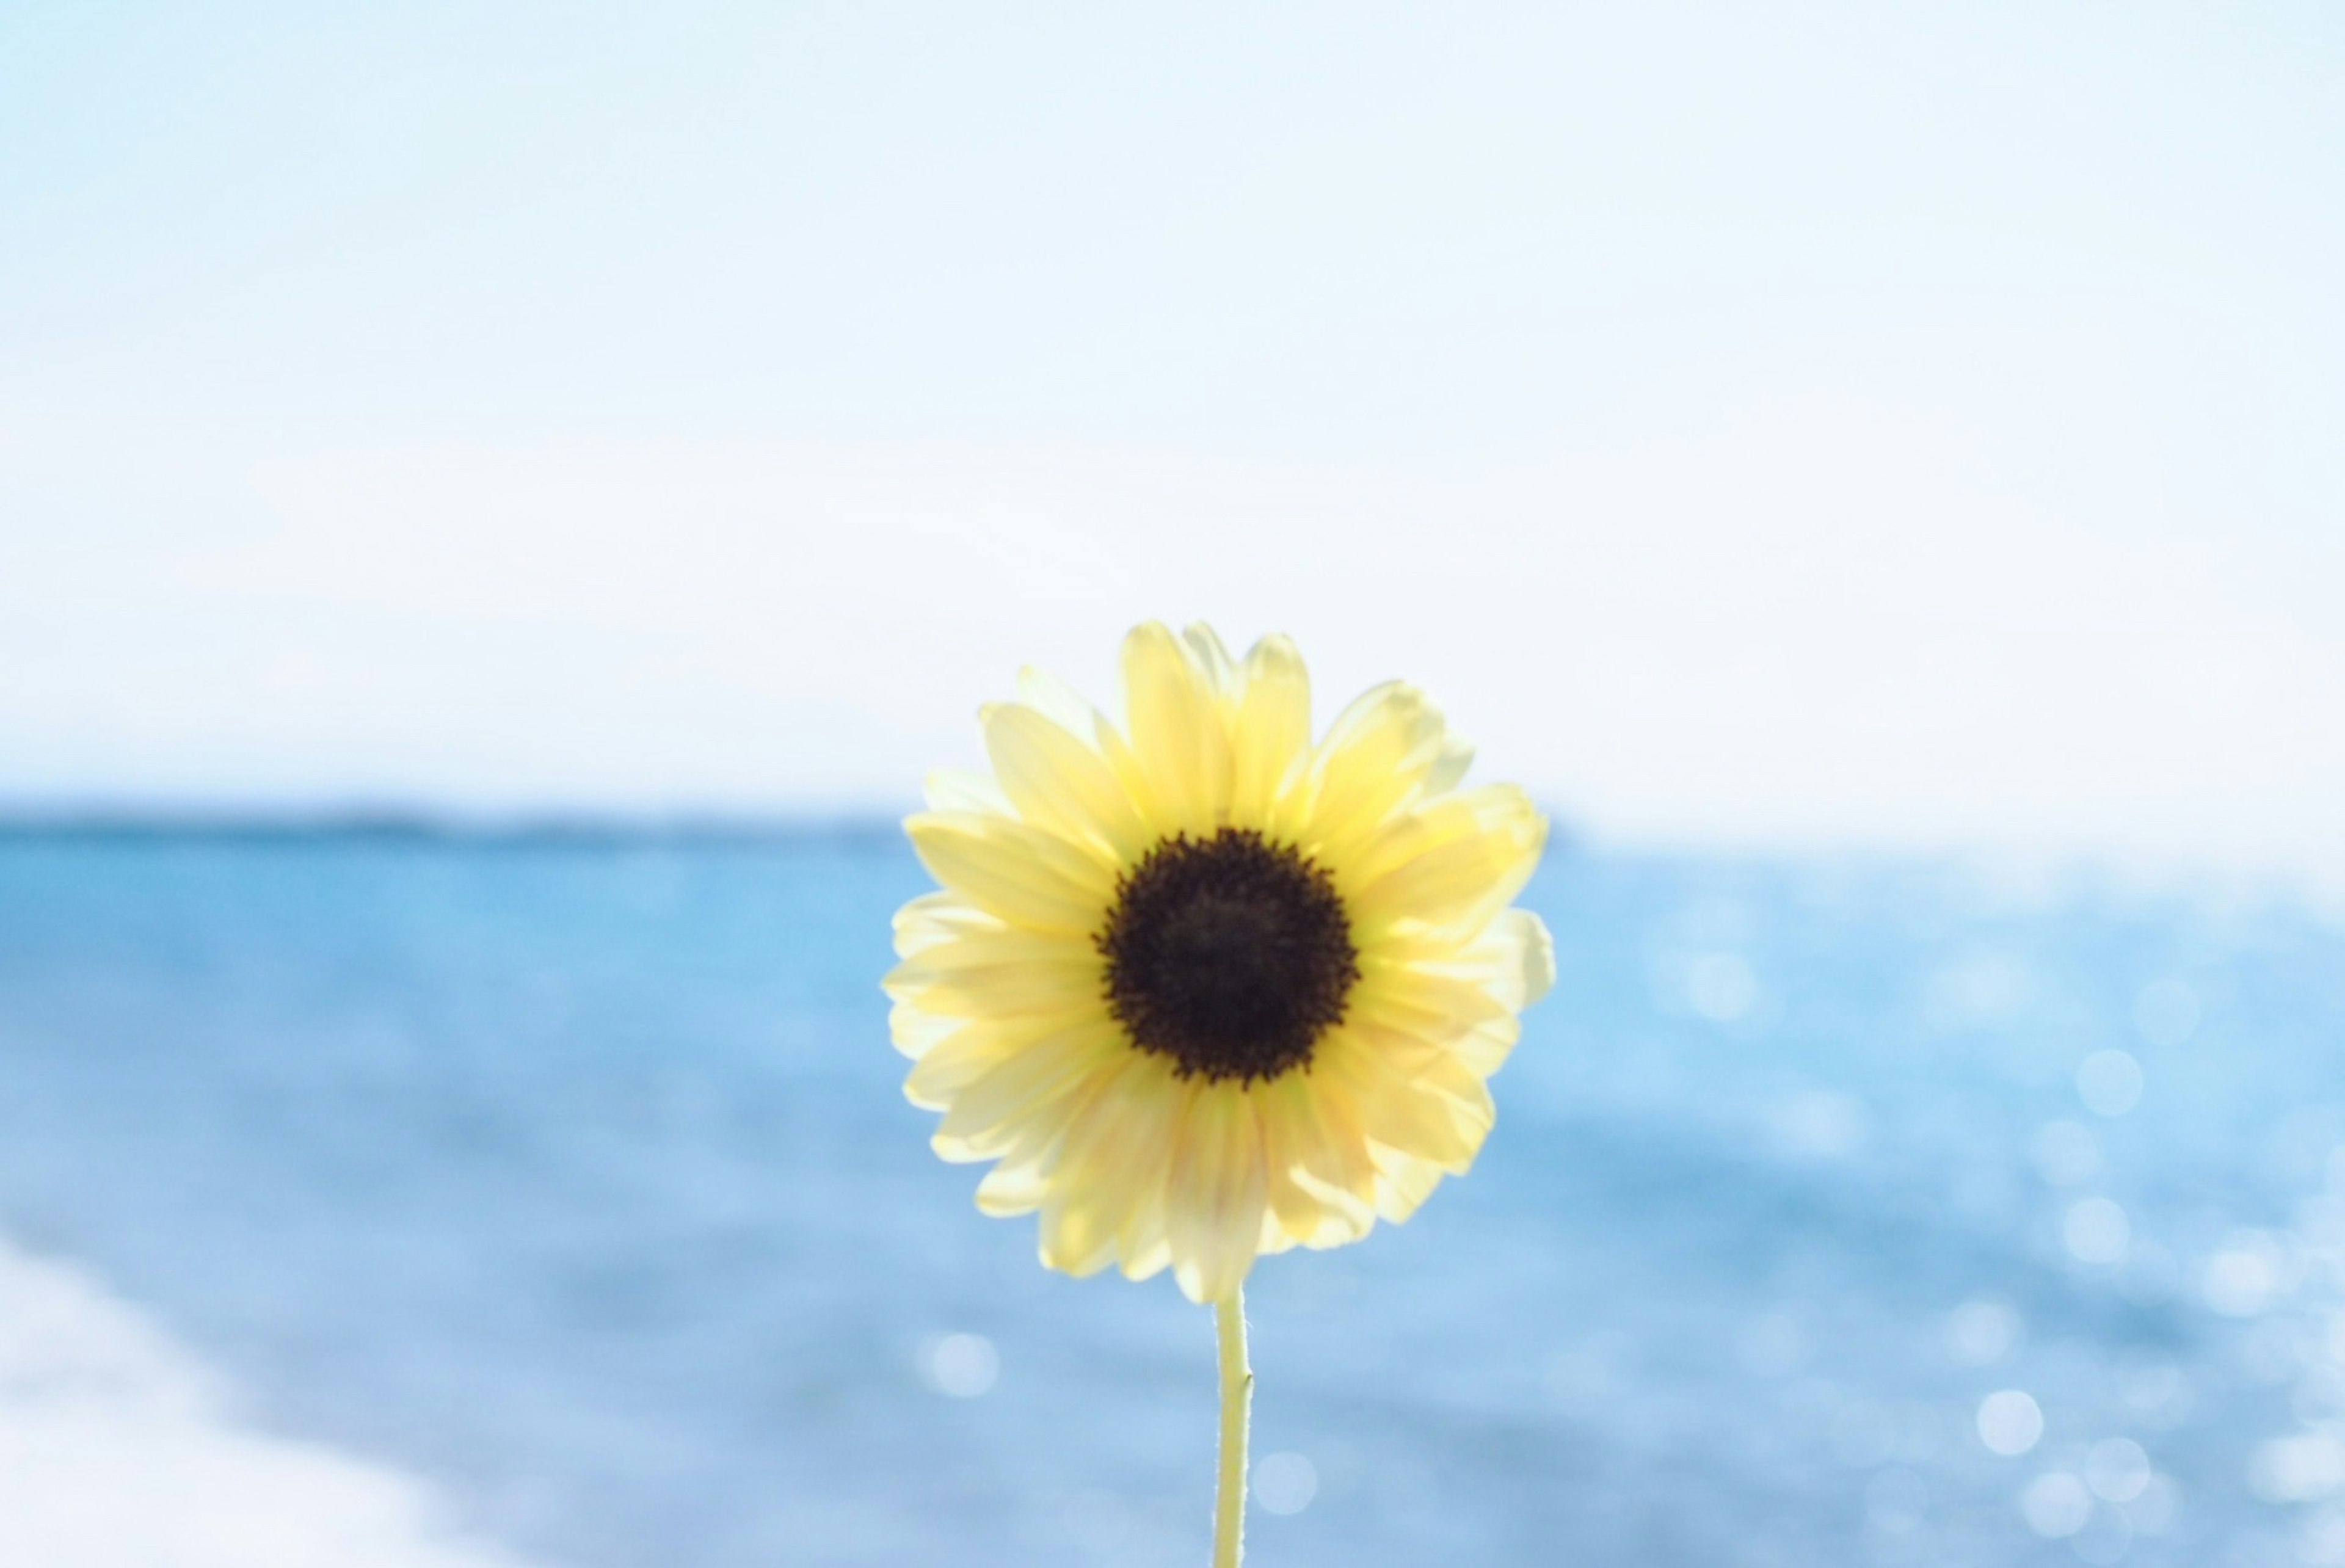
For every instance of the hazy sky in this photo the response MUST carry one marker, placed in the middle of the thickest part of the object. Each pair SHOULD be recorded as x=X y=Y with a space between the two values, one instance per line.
x=1908 y=425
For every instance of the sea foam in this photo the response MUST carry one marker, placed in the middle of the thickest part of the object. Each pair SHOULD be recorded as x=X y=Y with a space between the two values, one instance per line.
x=119 y=1449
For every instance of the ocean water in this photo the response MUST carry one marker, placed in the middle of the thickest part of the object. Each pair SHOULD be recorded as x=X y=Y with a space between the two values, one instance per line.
x=1836 y=1213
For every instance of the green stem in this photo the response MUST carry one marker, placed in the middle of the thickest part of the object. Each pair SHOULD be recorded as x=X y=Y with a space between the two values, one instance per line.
x=1237 y=1399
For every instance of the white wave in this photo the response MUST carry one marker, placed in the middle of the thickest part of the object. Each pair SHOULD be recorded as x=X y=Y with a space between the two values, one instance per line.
x=118 y=1450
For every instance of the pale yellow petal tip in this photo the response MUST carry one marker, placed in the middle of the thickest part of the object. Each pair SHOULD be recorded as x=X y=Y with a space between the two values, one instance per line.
x=1150 y=638
x=901 y=984
x=1059 y=703
x=915 y=1033
x=1211 y=659
x=1275 y=648
x=962 y=790
x=1009 y=1191
x=1074 y=1267
x=935 y=918
x=953 y=1151
x=1402 y=1190
x=1538 y=958
x=1196 y=650
x=1146 y=1264
x=1449 y=769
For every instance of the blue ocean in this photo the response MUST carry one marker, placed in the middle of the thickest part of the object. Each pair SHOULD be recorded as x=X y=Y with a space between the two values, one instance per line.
x=1838 y=1212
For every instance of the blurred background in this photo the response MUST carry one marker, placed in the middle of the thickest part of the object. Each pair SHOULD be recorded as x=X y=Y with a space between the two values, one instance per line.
x=500 y=505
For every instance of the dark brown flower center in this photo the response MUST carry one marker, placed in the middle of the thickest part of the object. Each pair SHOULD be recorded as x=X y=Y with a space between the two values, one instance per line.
x=1231 y=955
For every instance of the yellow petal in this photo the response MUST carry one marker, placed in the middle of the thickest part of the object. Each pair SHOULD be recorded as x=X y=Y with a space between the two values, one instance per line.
x=1059 y=703
x=1122 y=1144
x=1146 y=1260
x=986 y=942
x=1403 y=1185
x=1011 y=1189
x=1270 y=736
x=1178 y=733
x=1513 y=959
x=1433 y=1068
x=1459 y=1015
x=1021 y=874
x=1020 y=1181
x=1213 y=659
x=1000 y=974
x=920 y=1031
x=1349 y=1178
x=1453 y=863
x=1215 y=1200
x=1374 y=759
x=1526 y=936
x=1449 y=769
x=1310 y=1185
x=1407 y=1097
x=1028 y=1084
x=969 y=1049
x=937 y=917
x=1353 y=1174
x=1060 y=782
x=1065 y=707
x=1484 y=1048
x=1424 y=1001
x=1273 y=1239
x=917 y=1032
x=960 y=789
x=1406 y=834
x=1140 y=1242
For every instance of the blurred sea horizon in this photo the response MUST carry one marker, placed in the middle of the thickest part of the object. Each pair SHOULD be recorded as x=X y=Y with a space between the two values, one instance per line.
x=550 y=1180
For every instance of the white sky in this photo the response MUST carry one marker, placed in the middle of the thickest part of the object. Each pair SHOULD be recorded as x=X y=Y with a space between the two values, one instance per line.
x=1902 y=426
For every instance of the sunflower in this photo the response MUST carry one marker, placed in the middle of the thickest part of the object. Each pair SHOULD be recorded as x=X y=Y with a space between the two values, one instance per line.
x=1201 y=987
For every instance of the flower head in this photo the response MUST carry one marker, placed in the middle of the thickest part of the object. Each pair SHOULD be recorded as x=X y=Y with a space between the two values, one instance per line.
x=1202 y=988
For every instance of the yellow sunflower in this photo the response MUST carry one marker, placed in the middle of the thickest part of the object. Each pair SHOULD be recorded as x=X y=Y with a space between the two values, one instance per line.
x=1202 y=988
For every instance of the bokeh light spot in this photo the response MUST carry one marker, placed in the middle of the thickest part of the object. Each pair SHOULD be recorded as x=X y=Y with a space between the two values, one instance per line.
x=2242 y=1278
x=962 y=1366
x=2117 y=1468
x=2167 y=1011
x=2056 y=1506
x=1285 y=1484
x=2010 y=1422
x=2066 y=1153
x=2109 y=1082
x=1721 y=987
x=1982 y=1333
x=2097 y=1231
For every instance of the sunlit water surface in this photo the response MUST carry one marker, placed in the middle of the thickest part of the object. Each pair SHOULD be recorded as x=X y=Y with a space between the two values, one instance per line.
x=1835 y=1214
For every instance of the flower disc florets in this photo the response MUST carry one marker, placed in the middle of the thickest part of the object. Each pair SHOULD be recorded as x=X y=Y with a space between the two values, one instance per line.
x=1229 y=955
